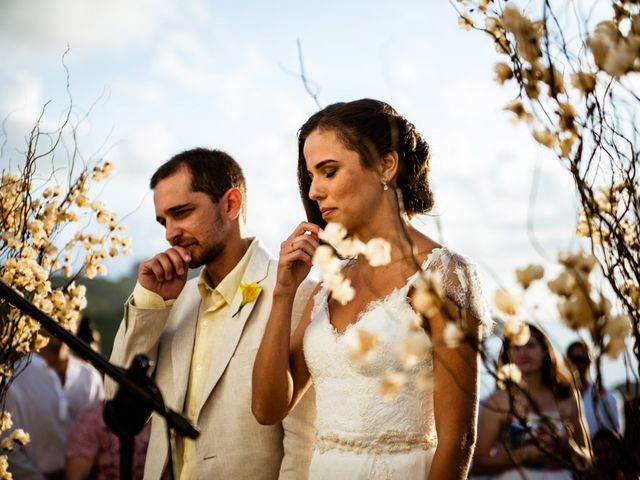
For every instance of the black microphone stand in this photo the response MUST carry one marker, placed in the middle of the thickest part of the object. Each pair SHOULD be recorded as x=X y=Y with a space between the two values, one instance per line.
x=137 y=396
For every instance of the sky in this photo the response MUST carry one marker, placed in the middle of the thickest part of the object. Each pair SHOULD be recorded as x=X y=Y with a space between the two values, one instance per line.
x=158 y=77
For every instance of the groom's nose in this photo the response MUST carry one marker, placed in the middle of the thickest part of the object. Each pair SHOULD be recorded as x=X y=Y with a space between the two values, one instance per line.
x=172 y=232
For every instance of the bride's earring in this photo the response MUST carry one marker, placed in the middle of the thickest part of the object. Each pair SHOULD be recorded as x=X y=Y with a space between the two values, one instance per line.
x=385 y=186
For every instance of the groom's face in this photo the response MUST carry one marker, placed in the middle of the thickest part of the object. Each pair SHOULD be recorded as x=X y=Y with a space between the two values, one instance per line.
x=191 y=219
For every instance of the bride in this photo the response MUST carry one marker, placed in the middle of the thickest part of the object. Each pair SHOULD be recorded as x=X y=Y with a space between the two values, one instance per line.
x=352 y=158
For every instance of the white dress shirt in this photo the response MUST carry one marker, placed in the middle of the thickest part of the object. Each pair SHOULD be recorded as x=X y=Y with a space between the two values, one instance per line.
x=601 y=412
x=46 y=409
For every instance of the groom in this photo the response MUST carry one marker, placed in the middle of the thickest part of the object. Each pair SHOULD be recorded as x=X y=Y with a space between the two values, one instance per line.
x=203 y=334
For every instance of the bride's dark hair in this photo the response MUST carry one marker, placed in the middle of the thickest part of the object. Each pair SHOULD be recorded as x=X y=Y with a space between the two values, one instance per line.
x=372 y=128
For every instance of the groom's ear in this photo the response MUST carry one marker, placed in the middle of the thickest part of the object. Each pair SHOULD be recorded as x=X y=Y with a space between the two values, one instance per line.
x=232 y=203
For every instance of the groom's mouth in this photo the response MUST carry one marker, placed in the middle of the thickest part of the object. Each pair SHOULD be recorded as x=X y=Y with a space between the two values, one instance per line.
x=188 y=246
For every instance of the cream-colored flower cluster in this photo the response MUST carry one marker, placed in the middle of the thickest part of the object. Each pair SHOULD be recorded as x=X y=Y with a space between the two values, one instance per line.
x=428 y=295
x=410 y=351
x=4 y=468
x=8 y=442
x=34 y=221
x=614 y=46
x=18 y=436
x=574 y=77
x=508 y=373
x=377 y=251
x=609 y=218
x=582 y=306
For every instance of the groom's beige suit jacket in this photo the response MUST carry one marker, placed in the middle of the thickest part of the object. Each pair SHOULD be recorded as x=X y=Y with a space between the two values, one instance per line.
x=232 y=444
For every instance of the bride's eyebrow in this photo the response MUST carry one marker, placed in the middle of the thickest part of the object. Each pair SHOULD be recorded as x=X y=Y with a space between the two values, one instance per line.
x=323 y=164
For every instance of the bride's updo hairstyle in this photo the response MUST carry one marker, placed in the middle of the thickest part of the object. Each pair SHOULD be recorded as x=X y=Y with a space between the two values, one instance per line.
x=372 y=129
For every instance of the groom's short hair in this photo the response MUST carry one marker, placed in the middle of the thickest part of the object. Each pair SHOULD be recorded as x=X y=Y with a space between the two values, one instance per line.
x=213 y=172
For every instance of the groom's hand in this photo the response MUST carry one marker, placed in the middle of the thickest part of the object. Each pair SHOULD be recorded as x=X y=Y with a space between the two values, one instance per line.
x=166 y=273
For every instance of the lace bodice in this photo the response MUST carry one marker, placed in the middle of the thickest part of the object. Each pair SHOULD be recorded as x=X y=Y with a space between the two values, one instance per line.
x=350 y=406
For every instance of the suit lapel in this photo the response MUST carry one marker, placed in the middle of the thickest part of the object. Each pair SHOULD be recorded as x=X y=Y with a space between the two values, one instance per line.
x=231 y=330
x=186 y=319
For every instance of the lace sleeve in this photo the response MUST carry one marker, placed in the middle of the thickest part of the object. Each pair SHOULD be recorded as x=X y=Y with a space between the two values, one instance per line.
x=463 y=285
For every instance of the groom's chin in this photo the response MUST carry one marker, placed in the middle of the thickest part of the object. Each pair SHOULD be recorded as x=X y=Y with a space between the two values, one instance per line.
x=195 y=263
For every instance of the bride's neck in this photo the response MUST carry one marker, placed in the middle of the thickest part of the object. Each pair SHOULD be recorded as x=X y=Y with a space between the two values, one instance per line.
x=398 y=235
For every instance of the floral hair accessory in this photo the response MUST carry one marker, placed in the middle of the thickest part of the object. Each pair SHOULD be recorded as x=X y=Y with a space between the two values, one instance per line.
x=250 y=292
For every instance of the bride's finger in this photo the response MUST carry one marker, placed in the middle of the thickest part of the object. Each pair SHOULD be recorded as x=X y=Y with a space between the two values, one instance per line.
x=305 y=228
x=305 y=242
x=301 y=256
x=308 y=249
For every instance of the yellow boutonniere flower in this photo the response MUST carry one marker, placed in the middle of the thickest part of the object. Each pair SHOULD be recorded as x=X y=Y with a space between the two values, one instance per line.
x=250 y=292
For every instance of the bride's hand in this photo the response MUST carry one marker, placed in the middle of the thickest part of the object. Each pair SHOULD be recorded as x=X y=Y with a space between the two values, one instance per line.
x=296 y=253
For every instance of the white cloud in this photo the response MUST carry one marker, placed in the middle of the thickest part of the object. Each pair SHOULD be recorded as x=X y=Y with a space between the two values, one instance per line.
x=34 y=28
x=20 y=96
x=144 y=150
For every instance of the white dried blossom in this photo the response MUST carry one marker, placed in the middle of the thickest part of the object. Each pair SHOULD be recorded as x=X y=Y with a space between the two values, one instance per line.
x=577 y=311
x=341 y=289
x=391 y=385
x=423 y=381
x=581 y=261
x=324 y=258
x=20 y=436
x=465 y=21
x=516 y=107
x=612 y=51
x=5 y=421
x=508 y=373
x=517 y=332
x=506 y=302
x=428 y=294
x=4 y=468
x=349 y=247
x=413 y=349
x=503 y=73
x=453 y=335
x=529 y=274
x=333 y=233
x=378 y=252
x=563 y=285
x=584 y=81
x=545 y=137
x=361 y=344
x=6 y=444
x=617 y=328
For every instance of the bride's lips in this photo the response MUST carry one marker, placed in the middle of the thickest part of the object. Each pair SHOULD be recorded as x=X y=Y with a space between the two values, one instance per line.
x=325 y=212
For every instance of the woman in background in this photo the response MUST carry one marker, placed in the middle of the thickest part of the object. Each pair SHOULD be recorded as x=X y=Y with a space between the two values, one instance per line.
x=536 y=428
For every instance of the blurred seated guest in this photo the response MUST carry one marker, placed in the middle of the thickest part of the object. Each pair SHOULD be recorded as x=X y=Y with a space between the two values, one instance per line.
x=44 y=400
x=601 y=407
x=93 y=451
x=531 y=427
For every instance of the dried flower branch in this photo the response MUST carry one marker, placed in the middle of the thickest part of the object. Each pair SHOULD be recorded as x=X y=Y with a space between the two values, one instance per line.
x=573 y=79
x=45 y=232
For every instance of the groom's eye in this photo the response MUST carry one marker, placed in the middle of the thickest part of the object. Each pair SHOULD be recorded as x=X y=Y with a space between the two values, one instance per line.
x=181 y=213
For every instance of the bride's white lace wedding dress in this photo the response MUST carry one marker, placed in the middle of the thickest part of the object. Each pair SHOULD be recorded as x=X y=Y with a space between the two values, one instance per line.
x=359 y=433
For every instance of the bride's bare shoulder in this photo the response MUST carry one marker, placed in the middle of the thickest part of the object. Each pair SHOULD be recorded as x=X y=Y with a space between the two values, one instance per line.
x=423 y=245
